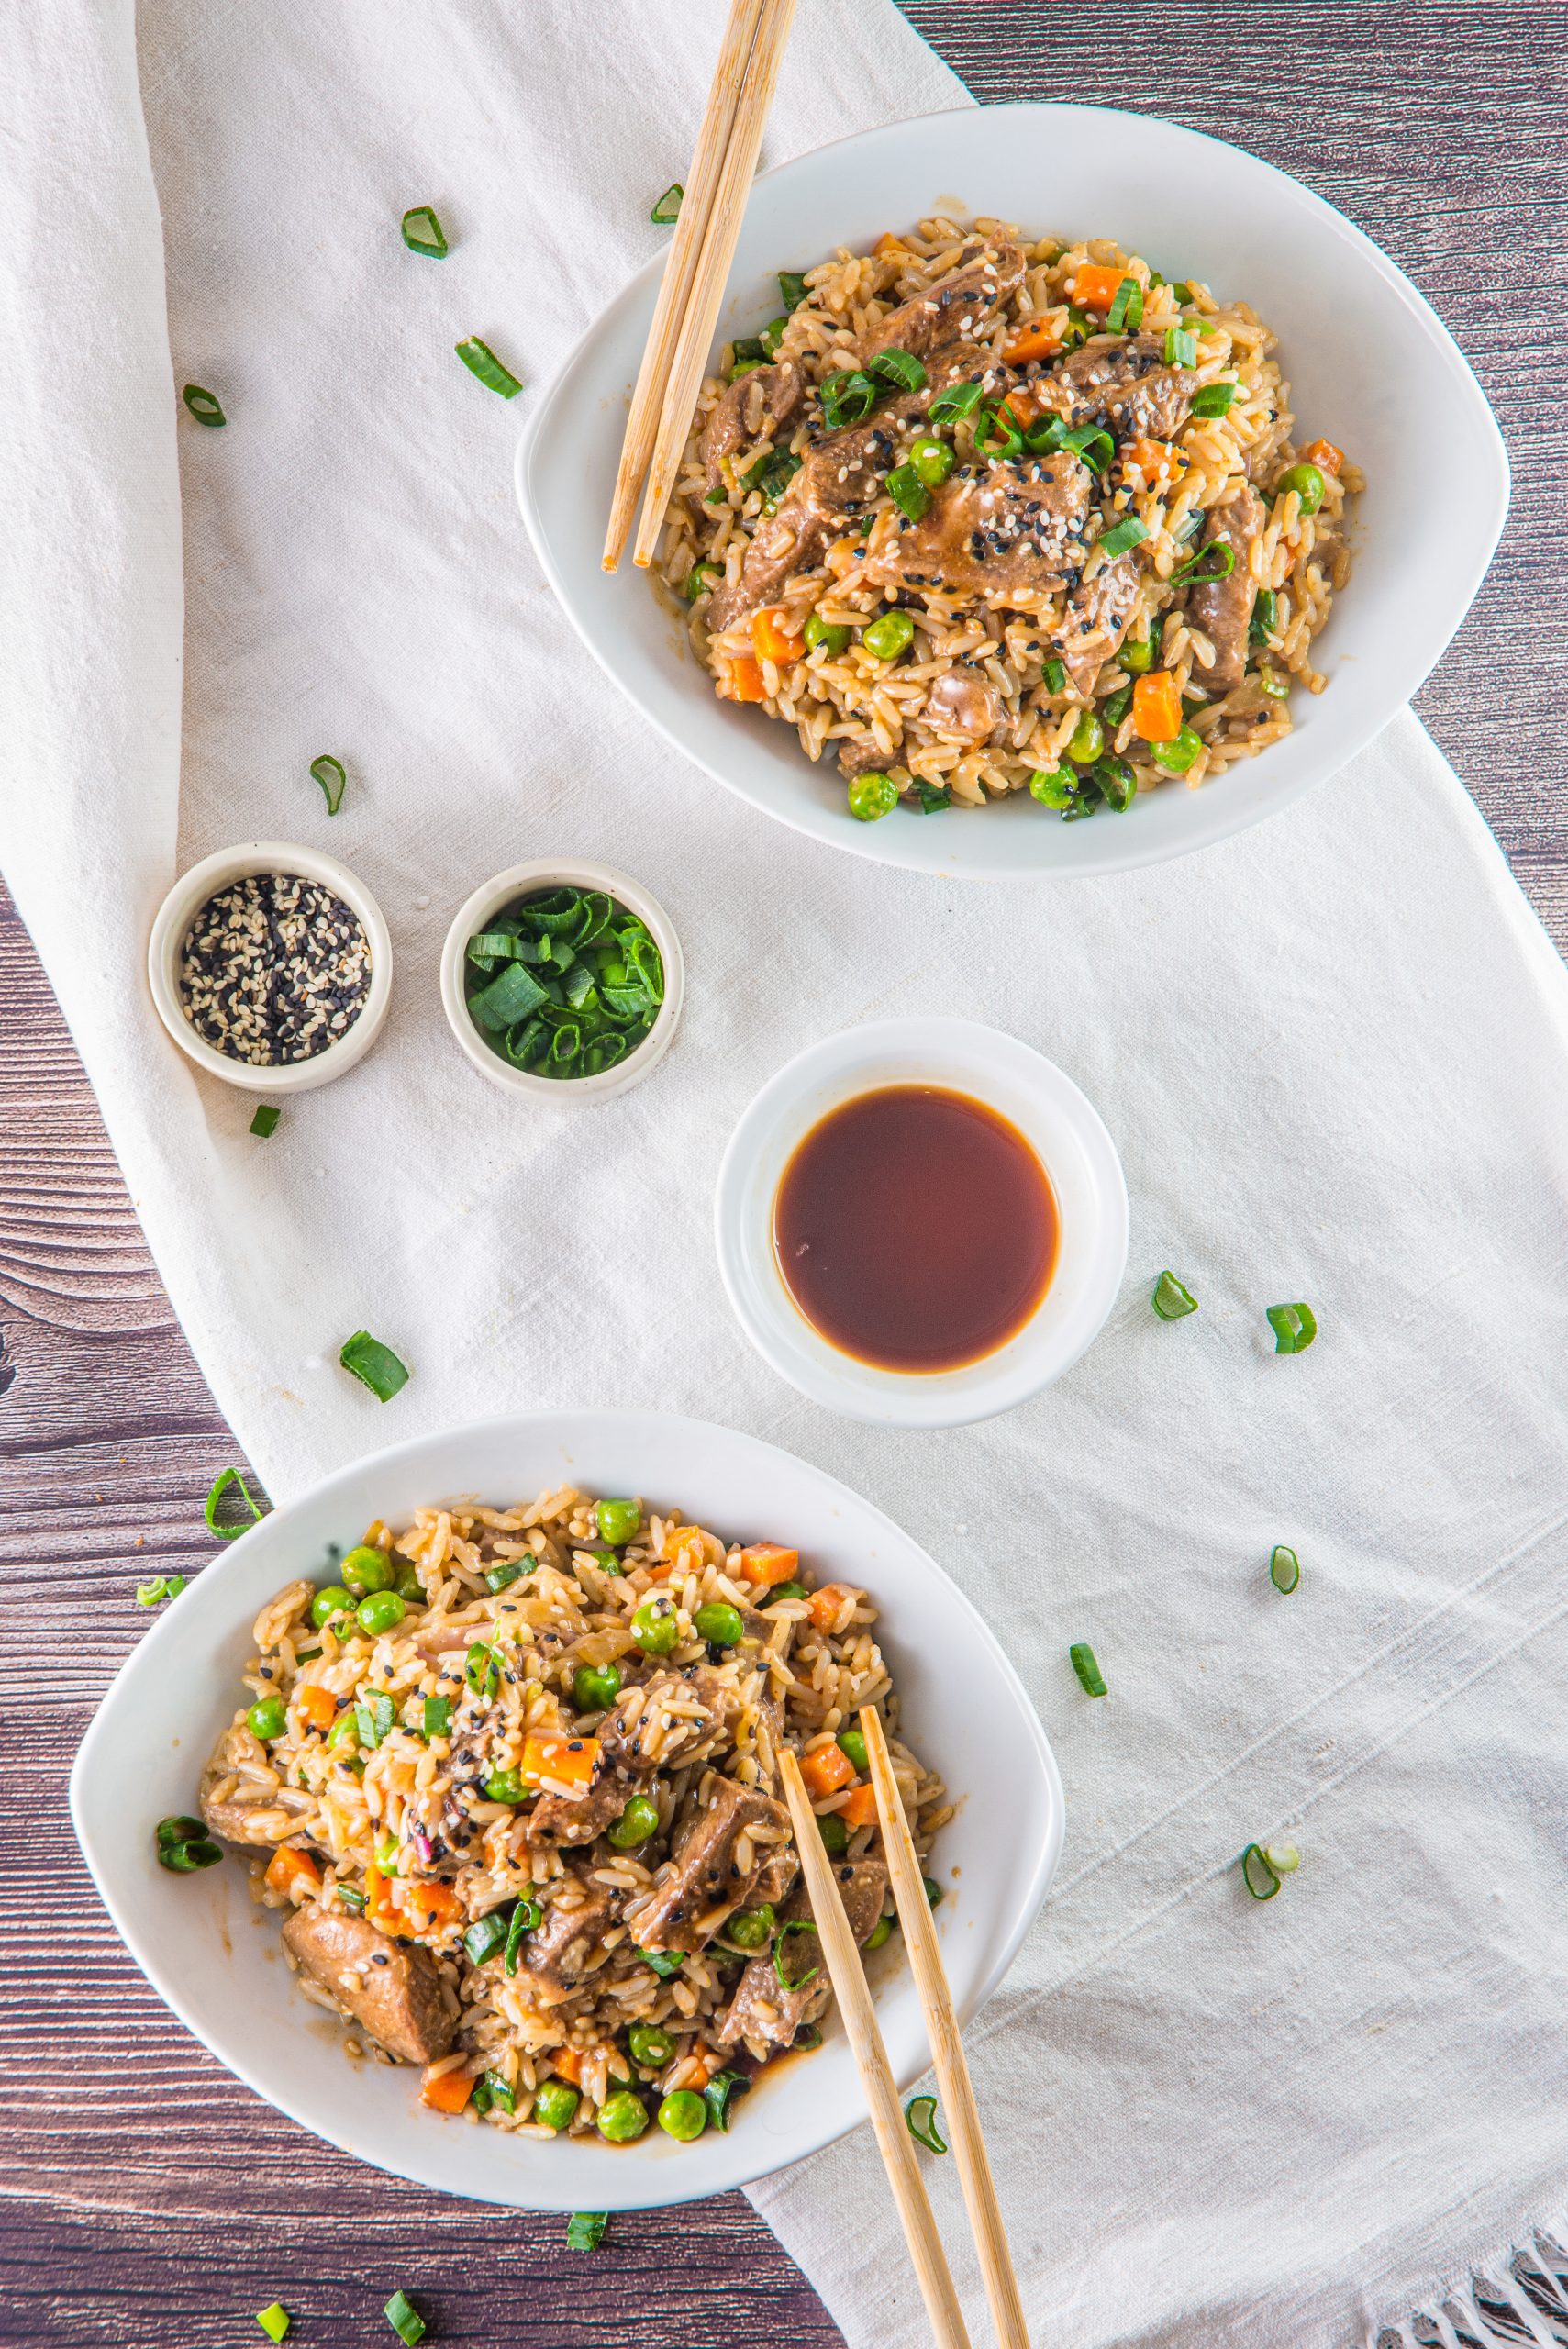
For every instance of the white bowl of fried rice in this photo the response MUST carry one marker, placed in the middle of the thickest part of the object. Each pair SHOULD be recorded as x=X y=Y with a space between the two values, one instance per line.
x=443 y=1806
x=1052 y=462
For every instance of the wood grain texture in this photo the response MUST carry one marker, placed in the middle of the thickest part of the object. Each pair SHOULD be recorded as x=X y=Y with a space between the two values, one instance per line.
x=148 y=2197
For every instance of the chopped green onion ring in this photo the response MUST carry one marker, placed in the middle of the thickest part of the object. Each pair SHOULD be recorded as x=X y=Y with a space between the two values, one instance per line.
x=795 y=1925
x=1128 y=532
x=422 y=232
x=374 y=1364
x=1283 y=1858
x=328 y=772
x=1090 y=1677
x=718 y=2093
x=1181 y=347
x=148 y=1594
x=664 y=1963
x=1171 y=1298
x=958 y=400
x=1219 y=557
x=1126 y=313
x=1294 y=1326
x=203 y=405
x=404 y=2319
x=793 y=288
x=1284 y=1568
x=920 y=2119
x=1257 y=1873
x=901 y=368
x=265 y=1121
x=220 y=1485
x=586 y=2230
x=1215 y=400
x=481 y=360
x=273 y=2322
x=667 y=207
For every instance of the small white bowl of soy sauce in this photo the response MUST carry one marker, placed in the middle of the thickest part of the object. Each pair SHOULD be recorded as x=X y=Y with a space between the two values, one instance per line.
x=921 y=1222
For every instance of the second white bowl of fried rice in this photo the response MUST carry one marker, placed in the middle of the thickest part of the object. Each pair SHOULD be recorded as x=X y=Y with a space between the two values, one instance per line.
x=1051 y=463
x=443 y=1806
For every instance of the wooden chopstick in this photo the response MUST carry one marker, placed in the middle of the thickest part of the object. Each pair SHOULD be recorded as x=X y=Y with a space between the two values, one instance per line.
x=958 y=2108
x=679 y=269
x=894 y=2141
x=719 y=238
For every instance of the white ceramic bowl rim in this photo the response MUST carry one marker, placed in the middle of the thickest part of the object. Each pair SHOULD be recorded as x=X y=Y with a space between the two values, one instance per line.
x=547 y=872
x=1055 y=1118
x=1370 y=364
x=213 y=1958
x=179 y=909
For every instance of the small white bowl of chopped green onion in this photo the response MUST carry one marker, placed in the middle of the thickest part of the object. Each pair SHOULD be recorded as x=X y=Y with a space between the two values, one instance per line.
x=563 y=981
x=270 y=966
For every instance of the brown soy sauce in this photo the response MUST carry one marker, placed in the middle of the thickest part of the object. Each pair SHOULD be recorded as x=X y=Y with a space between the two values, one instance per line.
x=915 y=1229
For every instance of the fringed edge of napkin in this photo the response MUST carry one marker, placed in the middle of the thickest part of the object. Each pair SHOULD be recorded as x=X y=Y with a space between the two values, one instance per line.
x=1521 y=2298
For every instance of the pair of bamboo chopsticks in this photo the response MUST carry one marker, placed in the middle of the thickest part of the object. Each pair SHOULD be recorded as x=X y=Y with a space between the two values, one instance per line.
x=697 y=269
x=962 y=2118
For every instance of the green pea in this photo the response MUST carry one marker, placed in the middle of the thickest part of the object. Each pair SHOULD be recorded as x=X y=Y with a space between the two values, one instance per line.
x=596 y=1686
x=637 y=1822
x=1050 y=786
x=365 y=1569
x=825 y=632
x=718 y=1624
x=684 y=2115
x=333 y=1600
x=1137 y=655
x=701 y=580
x=751 y=1927
x=622 y=2116
x=872 y=796
x=1307 y=484
x=505 y=1785
x=1177 y=755
x=881 y=1931
x=888 y=637
x=656 y=1627
x=555 y=2104
x=269 y=1717
x=345 y=1729
x=606 y=1560
x=1088 y=740
x=850 y=1741
x=784 y=1590
x=408 y=1586
x=932 y=460
x=834 y=1832
x=382 y=1611
x=619 y=1521
x=651 y=2047
x=1274 y=682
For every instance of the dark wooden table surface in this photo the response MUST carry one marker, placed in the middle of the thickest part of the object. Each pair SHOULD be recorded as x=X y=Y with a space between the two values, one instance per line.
x=151 y=2199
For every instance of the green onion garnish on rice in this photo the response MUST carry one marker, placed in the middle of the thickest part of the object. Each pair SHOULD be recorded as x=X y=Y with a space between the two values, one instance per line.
x=1214 y=399
x=901 y=368
x=483 y=1940
x=525 y=1916
x=794 y=288
x=273 y=2322
x=1181 y=347
x=929 y=798
x=664 y=1963
x=328 y=772
x=203 y=405
x=148 y=1594
x=422 y=233
x=500 y=1576
x=667 y=207
x=1294 y=1326
x=1285 y=1567
x=351 y=1899
x=1257 y=1873
x=958 y=400
x=789 y=1981
x=847 y=397
x=1125 y=312
x=1171 y=1298
x=586 y=2230
x=720 y=2091
x=265 y=1121
x=220 y=1485
x=1216 y=561
x=1055 y=675
x=1128 y=532
x=920 y=2119
x=483 y=1669
x=438 y=1716
x=908 y=492
x=481 y=360
x=1090 y=1677
x=374 y=1364
x=997 y=434
x=404 y=2319
x=376 y=1718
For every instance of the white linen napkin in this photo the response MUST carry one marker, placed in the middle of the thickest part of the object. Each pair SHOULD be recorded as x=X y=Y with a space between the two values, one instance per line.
x=1333 y=1054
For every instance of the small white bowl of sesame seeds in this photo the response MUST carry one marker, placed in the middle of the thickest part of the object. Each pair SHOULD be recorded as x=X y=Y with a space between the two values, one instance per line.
x=270 y=966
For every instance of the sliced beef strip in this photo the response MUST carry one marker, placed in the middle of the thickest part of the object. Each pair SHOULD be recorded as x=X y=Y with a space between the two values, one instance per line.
x=757 y=407
x=705 y=1877
x=1096 y=619
x=863 y=758
x=622 y=1764
x=761 y=1626
x=999 y=531
x=1222 y=608
x=774 y=1877
x=963 y=705
x=1127 y=387
x=762 y=2012
x=961 y=306
x=555 y=1954
x=398 y=1995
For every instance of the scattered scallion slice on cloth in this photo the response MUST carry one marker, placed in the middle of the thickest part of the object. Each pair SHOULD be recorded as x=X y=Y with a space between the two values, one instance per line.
x=1257 y=1875
x=273 y=2322
x=328 y=772
x=920 y=2119
x=1284 y=1568
x=667 y=207
x=220 y=1485
x=148 y=1594
x=481 y=360
x=1171 y=1298
x=203 y=405
x=586 y=2230
x=1294 y=1326
x=1128 y=532
x=719 y=2093
x=265 y=1121
x=1090 y=1677
x=422 y=233
x=404 y=2319
x=1283 y=1858
x=374 y=1364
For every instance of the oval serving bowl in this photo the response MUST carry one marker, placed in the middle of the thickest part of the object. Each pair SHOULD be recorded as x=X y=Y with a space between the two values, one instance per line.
x=1370 y=364
x=217 y=1960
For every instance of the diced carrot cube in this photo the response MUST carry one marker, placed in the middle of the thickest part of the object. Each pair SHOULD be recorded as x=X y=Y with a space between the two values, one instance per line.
x=765 y=1564
x=315 y=1705
x=1324 y=455
x=566 y=2063
x=448 y=2093
x=825 y=1769
x=429 y=1904
x=1156 y=706
x=1159 y=462
x=1036 y=340
x=1021 y=408
x=746 y=681
x=824 y=1606
x=773 y=640
x=294 y=1872
x=1096 y=285
x=568 y=1760
x=888 y=243
x=858 y=1806
x=688 y=1550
